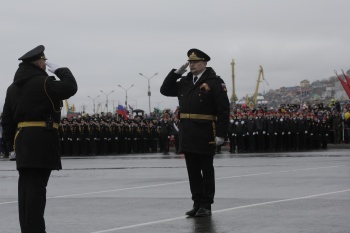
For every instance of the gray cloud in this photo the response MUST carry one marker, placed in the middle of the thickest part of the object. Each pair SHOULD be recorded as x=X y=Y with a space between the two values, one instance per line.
x=106 y=43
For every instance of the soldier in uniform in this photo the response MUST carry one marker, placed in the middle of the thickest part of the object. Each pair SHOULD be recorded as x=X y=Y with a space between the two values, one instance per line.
x=30 y=122
x=316 y=133
x=204 y=120
x=153 y=136
x=232 y=135
x=260 y=131
x=76 y=137
x=240 y=131
x=114 y=137
x=165 y=132
x=251 y=131
x=67 y=137
x=271 y=132
x=104 y=136
x=94 y=136
x=301 y=133
x=324 y=130
x=308 y=131
x=85 y=137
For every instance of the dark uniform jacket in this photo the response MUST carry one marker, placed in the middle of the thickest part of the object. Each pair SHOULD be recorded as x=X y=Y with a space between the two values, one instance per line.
x=195 y=135
x=27 y=100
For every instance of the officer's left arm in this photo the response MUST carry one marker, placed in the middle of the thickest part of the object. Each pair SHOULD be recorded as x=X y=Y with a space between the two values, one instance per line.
x=222 y=105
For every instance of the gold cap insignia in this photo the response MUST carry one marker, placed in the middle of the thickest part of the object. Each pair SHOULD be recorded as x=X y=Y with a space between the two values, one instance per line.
x=194 y=57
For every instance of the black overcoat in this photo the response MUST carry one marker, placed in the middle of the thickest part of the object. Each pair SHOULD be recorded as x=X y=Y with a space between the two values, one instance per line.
x=195 y=135
x=27 y=99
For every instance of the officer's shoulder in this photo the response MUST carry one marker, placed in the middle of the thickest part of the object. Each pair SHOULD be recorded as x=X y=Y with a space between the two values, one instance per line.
x=217 y=79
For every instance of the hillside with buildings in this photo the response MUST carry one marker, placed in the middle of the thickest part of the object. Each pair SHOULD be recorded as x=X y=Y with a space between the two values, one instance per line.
x=321 y=91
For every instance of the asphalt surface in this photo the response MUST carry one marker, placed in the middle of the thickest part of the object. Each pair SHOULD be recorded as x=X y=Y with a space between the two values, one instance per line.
x=264 y=193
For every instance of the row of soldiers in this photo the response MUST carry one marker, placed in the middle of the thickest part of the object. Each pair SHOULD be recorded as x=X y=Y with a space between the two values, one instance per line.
x=248 y=132
x=276 y=131
x=106 y=136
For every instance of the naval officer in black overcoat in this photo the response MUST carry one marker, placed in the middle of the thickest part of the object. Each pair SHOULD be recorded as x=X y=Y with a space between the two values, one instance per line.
x=31 y=115
x=204 y=121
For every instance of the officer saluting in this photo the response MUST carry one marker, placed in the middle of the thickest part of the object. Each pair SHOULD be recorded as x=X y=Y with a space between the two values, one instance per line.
x=30 y=121
x=204 y=121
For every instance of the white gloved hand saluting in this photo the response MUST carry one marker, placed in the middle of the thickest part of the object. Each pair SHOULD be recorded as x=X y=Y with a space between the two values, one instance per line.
x=219 y=141
x=182 y=69
x=52 y=67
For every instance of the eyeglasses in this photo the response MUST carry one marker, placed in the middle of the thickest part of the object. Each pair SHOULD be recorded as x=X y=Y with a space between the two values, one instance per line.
x=44 y=58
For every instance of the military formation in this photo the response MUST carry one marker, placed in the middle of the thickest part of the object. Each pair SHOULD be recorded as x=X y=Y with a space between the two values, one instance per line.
x=278 y=131
x=112 y=135
x=288 y=128
x=249 y=131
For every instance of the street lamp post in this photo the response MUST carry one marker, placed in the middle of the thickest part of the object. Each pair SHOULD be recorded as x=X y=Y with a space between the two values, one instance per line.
x=107 y=94
x=126 y=94
x=149 y=90
x=93 y=101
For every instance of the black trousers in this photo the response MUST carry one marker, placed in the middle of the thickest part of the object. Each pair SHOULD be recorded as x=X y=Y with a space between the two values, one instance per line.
x=202 y=179
x=32 y=184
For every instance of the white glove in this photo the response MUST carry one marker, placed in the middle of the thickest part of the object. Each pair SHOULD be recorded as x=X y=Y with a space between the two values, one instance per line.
x=289 y=133
x=247 y=133
x=275 y=133
x=236 y=123
x=264 y=132
x=219 y=141
x=253 y=133
x=326 y=134
x=52 y=67
x=116 y=138
x=305 y=131
x=242 y=122
x=12 y=155
x=182 y=69
x=282 y=133
x=281 y=120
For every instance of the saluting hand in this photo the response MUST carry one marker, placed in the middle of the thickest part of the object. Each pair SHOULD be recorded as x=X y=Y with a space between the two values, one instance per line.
x=182 y=69
x=52 y=67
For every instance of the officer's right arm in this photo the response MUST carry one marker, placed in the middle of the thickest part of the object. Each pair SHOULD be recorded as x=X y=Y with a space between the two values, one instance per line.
x=65 y=87
x=9 y=126
x=169 y=86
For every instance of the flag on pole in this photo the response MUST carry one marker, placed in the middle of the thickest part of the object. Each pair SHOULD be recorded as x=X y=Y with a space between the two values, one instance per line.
x=344 y=84
x=120 y=110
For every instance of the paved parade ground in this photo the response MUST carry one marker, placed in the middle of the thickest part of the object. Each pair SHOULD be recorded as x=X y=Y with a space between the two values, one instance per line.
x=260 y=193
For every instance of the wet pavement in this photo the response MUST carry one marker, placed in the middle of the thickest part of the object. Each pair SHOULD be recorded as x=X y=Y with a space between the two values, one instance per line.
x=149 y=193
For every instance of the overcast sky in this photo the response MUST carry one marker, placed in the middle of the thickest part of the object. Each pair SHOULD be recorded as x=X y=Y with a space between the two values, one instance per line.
x=109 y=42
